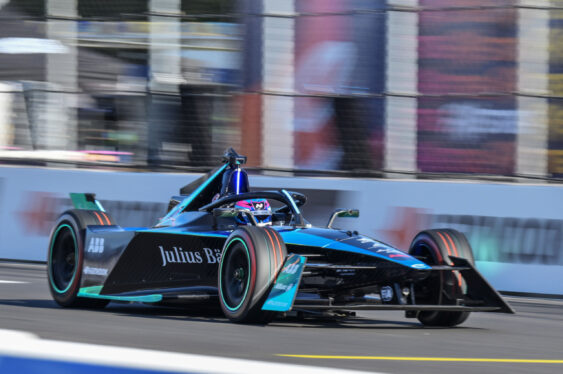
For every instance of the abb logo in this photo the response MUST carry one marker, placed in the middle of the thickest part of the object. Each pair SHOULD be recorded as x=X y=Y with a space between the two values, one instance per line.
x=96 y=245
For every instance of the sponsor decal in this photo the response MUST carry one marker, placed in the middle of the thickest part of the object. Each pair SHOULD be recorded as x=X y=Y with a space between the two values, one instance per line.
x=275 y=303
x=391 y=252
x=95 y=271
x=382 y=249
x=177 y=255
x=282 y=295
x=291 y=268
x=283 y=287
x=419 y=266
x=96 y=245
x=386 y=293
x=262 y=212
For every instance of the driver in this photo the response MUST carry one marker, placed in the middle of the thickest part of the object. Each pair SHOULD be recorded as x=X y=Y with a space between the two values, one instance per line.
x=259 y=208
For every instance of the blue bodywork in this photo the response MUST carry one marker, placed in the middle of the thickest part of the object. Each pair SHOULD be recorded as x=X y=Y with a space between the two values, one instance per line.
x=190 y=219
x=358 y=244
x=179 y=258
x=317 y=237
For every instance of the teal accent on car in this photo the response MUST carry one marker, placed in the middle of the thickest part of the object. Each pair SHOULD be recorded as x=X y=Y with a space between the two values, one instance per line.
x=291 y=201
x=298 y=237
x=93 y=292
x=51 y=258
x=180 y=207
x=232 y=309
x=181 y=231
x=284 y=291
x=361 y=245
x=81 y=201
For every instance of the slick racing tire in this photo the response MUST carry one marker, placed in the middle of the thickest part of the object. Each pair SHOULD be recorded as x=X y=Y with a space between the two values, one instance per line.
x=251 y=259
x=435 y=248
x=66 y=256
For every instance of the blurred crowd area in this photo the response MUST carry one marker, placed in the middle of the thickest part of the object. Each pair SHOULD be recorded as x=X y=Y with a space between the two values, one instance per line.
x=423 y=87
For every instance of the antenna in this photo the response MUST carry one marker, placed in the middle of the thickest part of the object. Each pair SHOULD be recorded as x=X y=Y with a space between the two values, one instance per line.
x=232 y=158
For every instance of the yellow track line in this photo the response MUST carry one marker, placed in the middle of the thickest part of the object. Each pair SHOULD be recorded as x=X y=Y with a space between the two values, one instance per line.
x=435 y=359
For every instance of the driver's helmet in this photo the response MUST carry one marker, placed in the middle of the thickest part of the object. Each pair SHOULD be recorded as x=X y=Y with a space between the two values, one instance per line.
x=259 y=208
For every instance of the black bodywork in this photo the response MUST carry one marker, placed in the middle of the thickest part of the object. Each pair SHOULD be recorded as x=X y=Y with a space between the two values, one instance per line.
x=177 y=260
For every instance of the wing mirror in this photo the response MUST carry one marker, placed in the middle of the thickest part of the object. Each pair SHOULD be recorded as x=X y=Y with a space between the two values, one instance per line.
x=232 y=213
x=342 y=213
x=225 y=212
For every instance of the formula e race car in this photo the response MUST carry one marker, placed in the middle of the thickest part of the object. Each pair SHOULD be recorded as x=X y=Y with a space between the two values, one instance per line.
x=254 y=255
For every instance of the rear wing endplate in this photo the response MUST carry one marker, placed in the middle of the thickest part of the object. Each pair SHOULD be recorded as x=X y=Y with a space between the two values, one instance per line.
x=86 y=201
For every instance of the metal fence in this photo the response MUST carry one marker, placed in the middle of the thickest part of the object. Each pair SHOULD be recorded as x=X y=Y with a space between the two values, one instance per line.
x=366 y=87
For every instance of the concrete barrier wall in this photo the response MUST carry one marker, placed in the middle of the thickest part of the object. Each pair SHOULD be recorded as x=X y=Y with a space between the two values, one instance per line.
x=516 y=230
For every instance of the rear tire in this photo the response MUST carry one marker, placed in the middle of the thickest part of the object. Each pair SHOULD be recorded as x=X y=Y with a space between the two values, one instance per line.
x=436 y=247
x=66 y=256
x=250 y=261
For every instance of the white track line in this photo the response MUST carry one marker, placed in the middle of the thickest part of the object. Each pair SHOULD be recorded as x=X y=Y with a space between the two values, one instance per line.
x=24 y=265
x=25 y=345
x=12 y=282
x=529 y=300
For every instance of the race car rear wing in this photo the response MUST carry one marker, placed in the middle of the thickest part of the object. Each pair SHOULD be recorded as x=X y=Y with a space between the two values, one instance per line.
x=86 y=201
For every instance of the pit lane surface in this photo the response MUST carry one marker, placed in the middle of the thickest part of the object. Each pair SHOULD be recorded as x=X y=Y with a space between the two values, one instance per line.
x=385 y=341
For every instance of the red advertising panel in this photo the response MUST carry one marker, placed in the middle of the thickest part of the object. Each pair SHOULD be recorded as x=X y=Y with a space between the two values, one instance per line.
x=339 y=75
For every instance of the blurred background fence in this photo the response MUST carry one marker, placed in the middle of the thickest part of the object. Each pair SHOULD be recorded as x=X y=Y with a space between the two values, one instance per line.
x=421 y=87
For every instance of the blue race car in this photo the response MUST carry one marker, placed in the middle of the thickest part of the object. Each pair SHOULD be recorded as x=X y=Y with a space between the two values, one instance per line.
x=254 y=255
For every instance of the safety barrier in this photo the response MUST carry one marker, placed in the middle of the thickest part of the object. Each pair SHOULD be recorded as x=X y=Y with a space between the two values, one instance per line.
x=516 y=230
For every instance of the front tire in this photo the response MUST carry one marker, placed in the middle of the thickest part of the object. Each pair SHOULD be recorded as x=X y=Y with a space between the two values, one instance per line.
x=435 y=247
x=250 y=261
x=66 y=256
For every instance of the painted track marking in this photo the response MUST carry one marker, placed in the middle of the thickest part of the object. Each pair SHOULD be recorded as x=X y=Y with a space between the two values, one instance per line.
x=435 y=359
x=12 y=282
x=27 y=347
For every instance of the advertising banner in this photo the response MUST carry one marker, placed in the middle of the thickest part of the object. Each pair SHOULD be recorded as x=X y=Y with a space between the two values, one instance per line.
x=250 y=102
x=515 y=230
x=32 y=200
x=555 y=85
x=463 y=56
x=340 y=63
x=2 y=205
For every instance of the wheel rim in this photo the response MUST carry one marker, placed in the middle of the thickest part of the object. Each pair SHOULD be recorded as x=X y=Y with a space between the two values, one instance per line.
x=235 y=275
x=63 y=258
x=434 y=281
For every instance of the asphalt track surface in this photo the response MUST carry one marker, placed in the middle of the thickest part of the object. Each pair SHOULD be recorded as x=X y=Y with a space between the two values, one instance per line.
x=385 y=341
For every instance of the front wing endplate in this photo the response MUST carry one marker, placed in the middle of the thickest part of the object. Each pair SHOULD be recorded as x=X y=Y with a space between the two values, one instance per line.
x=285 y=287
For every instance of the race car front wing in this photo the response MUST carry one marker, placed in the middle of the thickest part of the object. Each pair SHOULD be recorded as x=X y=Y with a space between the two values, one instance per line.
x=481 y=296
